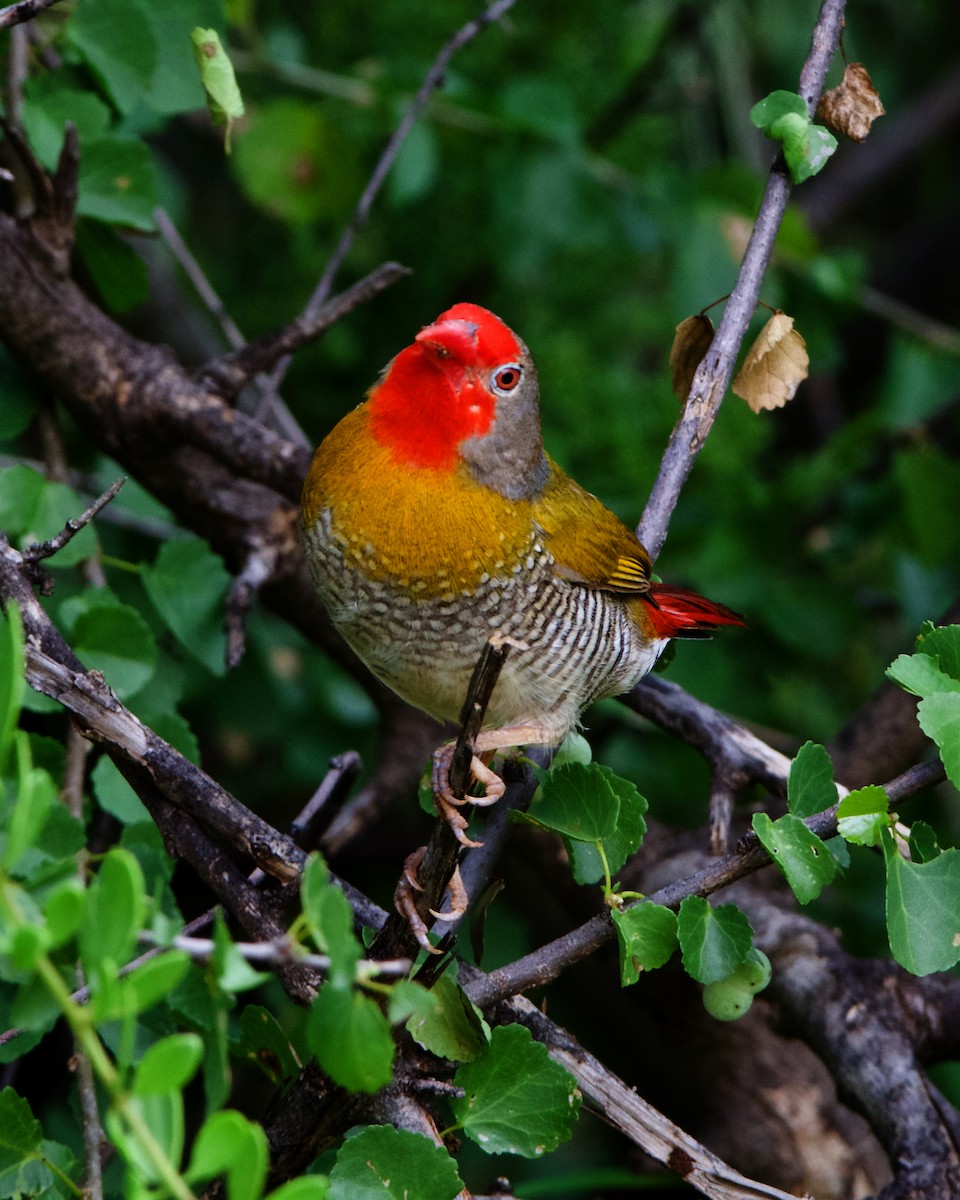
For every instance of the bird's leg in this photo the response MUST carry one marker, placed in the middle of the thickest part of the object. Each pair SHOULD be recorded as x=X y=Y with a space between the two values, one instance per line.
x=445 y=798
x=405 y=900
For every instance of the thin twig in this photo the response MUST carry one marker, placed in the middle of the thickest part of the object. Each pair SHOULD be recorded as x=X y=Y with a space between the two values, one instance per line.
x=713 y=375
x=432 y=80
x=275 y=953
x=23 y=10
x=195 y=273
x=233 y=371
x=306 y=827
x=40 y=550
x=256 y=570
x=93 y=1139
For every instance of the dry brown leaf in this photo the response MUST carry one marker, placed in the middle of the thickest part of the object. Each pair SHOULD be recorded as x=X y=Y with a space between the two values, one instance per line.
x=853 y=105
x=690 y=343
x=775 y=365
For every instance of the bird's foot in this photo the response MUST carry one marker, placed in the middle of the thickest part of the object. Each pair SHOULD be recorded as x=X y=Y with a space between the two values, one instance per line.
x=448 y=803
x=405 y=899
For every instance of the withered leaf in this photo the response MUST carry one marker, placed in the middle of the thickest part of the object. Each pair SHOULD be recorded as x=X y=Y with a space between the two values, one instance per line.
x=853 y=105
x=690 y=343
x=775 y=365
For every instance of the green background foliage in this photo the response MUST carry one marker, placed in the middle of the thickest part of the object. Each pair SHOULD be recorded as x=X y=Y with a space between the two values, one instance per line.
x=589 y=172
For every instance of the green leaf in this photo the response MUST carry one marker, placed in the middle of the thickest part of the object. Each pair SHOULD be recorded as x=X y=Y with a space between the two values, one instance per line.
x=454 y=1028
x=12 y=682
x=224 y=102
x=943 y=643
x=36 y=796
x=806 y=147
x=46 y=110
x=631 y=828
x=921 y=675
x=116 y=908
x=408 y=999
x=923 y=842
x=263 y=1042
x=415 y=168
x=863 y=815
x=380 y=1162
x=114 y=795
x=713 y=941
x=351 y=1038
x=939 y=717
x=117 y=270
x=23 y=1170
x=230 y=1144
x=175 y=87
x=118 y=183
x=543 y=106
x=162 y=1113
x=810 y=786
x=307 y=1187
x=187 y=585
x=516 y=1100
x=923 y=909
x=295 y=163
x=577 y=802
x=230 y=969
x=155 y=979
x=116 y=39
x=168 y=1065
x=63 y=911
x=929 y=483
x=803 y=858
x=646 y=935
x=770 y=109
x=330 y=920
x=115 y=640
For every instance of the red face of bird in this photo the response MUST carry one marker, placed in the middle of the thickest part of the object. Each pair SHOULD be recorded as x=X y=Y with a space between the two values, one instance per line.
x=466 y=390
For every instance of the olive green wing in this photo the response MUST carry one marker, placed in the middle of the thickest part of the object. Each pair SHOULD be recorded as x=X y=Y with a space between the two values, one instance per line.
x=590 y=545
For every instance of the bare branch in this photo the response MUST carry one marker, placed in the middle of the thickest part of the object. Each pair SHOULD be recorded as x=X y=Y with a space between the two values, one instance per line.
x=23 y=10
x=344 y=768
x=195 y=273
x=260 y=565
x=713 y=375
x=40 y=550
x=231 y=372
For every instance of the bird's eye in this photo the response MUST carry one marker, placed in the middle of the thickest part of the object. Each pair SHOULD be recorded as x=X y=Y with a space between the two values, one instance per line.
x=506 y=378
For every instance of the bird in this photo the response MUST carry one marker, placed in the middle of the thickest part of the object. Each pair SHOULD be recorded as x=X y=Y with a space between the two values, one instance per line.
x=433 y=521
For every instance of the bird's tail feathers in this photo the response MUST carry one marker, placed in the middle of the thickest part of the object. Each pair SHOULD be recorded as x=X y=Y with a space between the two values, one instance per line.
x=677 y=612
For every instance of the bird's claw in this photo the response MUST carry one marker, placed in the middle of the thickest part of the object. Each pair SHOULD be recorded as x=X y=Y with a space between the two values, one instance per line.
x=405 y=900
x=447 y=802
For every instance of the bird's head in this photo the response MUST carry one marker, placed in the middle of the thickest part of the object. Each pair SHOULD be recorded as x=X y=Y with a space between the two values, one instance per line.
x=466 y=390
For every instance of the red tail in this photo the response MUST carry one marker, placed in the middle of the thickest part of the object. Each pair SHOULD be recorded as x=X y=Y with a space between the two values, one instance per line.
x=680 y=613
